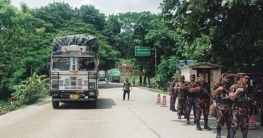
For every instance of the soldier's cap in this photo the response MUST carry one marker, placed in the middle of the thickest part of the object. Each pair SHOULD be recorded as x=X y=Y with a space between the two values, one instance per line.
x=241 y=75
x=182 y=76
x=225 y=75
x=172 y=77
x=193 y=75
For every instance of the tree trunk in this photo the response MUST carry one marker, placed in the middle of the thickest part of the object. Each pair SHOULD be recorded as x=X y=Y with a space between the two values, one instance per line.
x=141 y=69
x=149 y=78
x=144 y=80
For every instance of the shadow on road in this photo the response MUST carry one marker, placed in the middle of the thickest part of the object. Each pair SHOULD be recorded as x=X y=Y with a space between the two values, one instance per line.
x=103 y=103
x=111 y=85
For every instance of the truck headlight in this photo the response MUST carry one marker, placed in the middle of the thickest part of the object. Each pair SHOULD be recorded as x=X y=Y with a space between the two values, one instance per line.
x=92 y=93
x=92 y=86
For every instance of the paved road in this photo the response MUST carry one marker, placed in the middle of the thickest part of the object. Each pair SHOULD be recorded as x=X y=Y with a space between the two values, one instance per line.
x=138 y=118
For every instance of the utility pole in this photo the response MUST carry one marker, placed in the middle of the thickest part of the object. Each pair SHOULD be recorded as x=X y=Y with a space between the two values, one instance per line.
x=155 y=60
x=155 y=51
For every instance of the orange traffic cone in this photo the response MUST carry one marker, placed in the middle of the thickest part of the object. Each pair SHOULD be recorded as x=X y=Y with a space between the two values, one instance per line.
x=164 y=102
x=158 y=99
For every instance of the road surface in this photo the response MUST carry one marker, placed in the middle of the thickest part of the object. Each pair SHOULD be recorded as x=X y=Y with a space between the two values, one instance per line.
x=138 y=118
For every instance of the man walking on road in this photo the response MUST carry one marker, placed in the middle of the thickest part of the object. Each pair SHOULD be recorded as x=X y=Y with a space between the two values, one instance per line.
x=172 y=94
x=190 y=100
x=223 y=104
x=126 y=89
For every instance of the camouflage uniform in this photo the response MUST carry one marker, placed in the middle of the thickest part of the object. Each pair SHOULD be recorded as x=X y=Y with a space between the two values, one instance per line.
x=223 y=109
x=190 y=101
x=172 y=96
x=240 y=112
x=181 y=99
x=202 y=102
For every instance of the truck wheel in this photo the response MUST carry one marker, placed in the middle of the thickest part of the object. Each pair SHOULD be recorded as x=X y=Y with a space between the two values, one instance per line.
x=55 y=104
x=94 y=105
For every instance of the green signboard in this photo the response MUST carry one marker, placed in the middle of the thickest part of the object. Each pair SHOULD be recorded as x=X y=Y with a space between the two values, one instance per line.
x=142 y=51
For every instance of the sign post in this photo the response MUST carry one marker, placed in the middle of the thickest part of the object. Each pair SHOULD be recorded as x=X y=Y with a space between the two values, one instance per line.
x=142 y=51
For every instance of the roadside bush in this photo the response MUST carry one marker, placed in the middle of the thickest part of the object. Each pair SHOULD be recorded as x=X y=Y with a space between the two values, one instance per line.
x=28 y=91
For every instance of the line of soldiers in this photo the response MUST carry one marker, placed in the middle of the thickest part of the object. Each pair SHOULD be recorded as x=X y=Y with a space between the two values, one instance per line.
x=233 y=102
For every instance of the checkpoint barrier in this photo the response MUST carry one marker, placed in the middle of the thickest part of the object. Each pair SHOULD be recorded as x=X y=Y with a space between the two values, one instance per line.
x=164 y=102
x=158 y=99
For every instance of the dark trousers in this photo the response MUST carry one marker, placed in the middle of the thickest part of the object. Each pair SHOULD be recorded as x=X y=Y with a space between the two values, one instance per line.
x=124 y=94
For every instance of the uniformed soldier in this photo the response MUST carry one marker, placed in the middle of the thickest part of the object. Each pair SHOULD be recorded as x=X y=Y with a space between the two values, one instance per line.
x=202 y=101
x=172 y=94
x=223 y=104
x=240 y=108
x=190 y=99
x=181 y=88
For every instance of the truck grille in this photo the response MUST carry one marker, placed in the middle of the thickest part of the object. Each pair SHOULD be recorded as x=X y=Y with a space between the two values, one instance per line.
x=73 y=83
x=85 y=83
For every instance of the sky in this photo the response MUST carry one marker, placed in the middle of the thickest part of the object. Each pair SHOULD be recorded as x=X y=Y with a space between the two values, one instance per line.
x=105 y=6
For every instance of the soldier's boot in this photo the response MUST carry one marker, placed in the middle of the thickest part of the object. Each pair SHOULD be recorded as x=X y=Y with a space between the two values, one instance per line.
x=206 y=125
x=198 y=127
x=174 y=110
x=179 y=116
x=171 y=108
x=261 y=123
x=188 y=120
x=218 y=133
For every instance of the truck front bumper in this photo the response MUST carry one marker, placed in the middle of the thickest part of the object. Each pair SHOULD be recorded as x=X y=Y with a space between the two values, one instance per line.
x=71 y=100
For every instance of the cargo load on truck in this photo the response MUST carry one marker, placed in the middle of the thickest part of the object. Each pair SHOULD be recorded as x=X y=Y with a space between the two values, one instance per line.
x=74 y=66
x=115 y=75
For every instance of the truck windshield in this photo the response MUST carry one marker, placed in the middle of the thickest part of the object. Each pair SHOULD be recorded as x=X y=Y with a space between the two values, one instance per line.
x=86 y=64
x=61 y=63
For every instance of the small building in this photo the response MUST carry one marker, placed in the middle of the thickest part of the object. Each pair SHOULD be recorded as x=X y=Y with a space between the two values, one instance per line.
x=212 y=71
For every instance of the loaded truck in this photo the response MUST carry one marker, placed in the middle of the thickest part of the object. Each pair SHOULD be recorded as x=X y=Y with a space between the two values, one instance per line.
x=115 y=75
x=102 y=75
x=74 y=70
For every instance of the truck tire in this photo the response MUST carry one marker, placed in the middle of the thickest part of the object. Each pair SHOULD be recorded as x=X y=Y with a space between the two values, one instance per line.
x=55 y=104
x=94 y=105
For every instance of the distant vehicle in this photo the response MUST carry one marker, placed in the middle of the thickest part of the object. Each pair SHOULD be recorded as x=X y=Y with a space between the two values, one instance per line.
x=115 y=75
x=74 y=69
x=101 y=75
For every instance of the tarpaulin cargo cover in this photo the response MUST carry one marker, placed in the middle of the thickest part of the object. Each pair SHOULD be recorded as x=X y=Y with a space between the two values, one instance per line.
x=79 y=39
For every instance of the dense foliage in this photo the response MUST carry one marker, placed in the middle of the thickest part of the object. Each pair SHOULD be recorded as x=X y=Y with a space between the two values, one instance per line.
x=219 y=31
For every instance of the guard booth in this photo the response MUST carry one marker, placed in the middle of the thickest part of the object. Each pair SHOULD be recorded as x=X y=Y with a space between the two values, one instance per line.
x=212 y=71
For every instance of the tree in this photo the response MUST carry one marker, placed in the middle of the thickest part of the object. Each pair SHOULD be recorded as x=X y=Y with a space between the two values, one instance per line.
x=214 y=30
x=89 y=14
